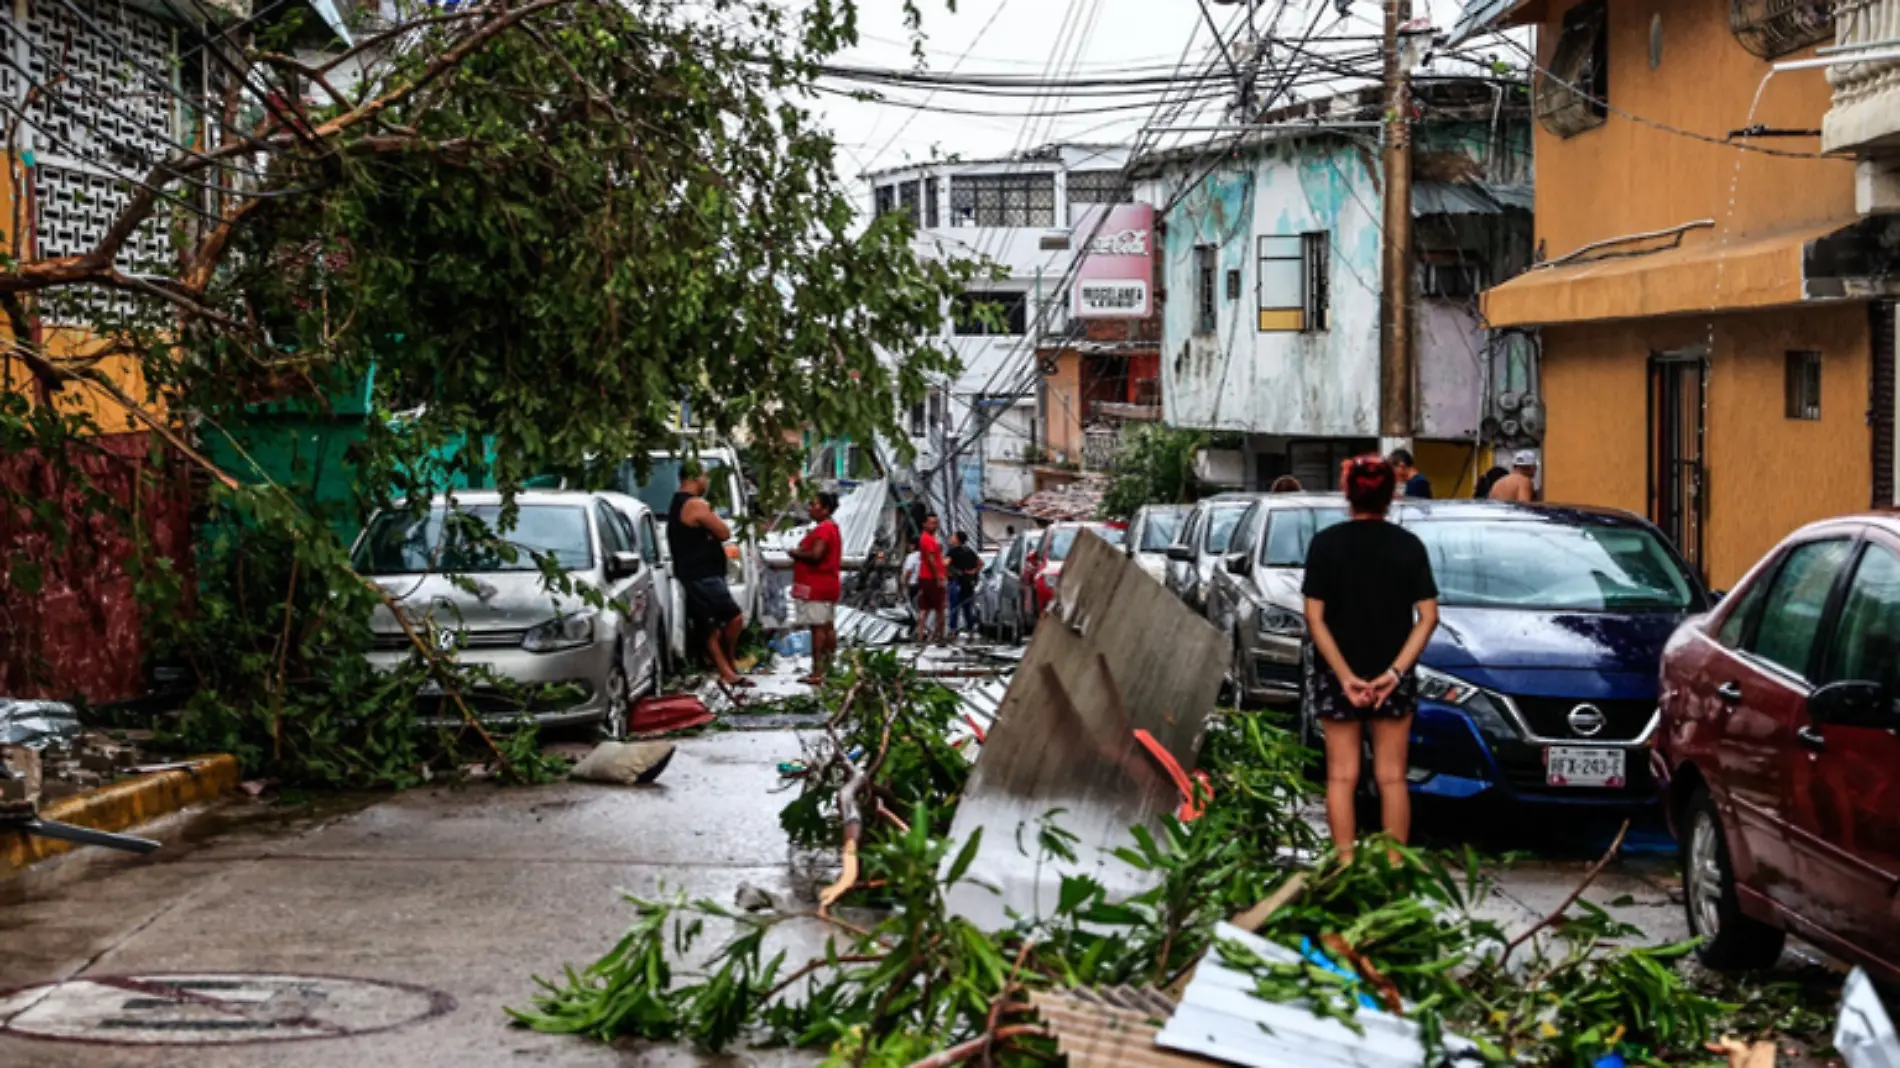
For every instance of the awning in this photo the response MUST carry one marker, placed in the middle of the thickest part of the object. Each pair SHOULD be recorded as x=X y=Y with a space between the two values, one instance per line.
x=1480 y=16
x=1468 y=198
x=1708 y=273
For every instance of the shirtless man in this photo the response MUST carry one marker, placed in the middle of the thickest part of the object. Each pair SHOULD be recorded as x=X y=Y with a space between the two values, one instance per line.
x=1521 y=483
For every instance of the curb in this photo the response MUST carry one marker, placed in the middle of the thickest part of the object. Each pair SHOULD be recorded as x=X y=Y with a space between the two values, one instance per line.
x=122 y=805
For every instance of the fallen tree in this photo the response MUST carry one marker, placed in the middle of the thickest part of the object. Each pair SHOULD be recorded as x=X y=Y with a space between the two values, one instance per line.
x=916 y=984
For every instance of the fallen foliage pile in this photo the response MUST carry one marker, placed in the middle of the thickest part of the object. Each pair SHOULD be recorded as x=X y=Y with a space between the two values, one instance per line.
x=920 y=980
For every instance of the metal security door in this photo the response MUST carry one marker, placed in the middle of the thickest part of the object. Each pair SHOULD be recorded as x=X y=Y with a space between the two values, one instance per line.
x=1678 y=472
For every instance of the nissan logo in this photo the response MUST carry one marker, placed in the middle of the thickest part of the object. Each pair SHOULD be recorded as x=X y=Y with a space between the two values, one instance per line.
x=1587 y=721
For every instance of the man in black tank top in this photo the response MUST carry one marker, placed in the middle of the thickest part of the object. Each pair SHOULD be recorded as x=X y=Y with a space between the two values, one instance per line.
x=698 y=538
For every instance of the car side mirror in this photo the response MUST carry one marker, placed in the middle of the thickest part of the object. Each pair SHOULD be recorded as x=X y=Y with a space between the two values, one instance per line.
x=1237 y=563
x=1181 y=553
x=1853 y=704
x=622 y=565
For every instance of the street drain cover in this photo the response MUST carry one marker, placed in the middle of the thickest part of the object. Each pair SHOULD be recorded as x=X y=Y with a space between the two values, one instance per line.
x=213 y=1009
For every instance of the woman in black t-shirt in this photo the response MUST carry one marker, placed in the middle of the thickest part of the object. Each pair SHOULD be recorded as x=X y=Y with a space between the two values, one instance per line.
x=1371 y=604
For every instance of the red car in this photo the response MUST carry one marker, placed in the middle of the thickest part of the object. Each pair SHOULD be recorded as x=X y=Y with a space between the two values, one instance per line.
x=1780 y=745
x=1042 y=571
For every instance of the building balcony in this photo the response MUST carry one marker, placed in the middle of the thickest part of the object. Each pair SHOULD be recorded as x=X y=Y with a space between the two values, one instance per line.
x=1864 y=118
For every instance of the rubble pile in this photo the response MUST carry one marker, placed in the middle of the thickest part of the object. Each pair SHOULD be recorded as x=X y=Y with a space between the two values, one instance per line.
x=51 y=756
x=1071 y=502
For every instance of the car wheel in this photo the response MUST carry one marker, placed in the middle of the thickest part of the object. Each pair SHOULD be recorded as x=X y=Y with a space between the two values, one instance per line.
x=613 y=723
x=1731 y=941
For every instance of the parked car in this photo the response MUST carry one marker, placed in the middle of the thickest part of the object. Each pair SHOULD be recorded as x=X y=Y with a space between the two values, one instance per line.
x=1255 y=594
x=1203 y=541
x=483 y=609
x=1013 y=585
x=1540 y=683
x=1150 y=533
x=1046 y=562
x=670 y=594
x=1780 y=741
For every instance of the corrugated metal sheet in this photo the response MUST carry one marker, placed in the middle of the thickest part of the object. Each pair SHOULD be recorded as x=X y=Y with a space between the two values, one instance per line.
x=1478 y=18
x=1469 y=198
x=1219 y=1017
x=1109 y=1028
x=79 y=636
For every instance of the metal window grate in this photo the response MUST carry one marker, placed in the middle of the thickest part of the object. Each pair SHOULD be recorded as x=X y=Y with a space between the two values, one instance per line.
x=1205 y=320
x=932 y=203
x=1803 y=385
x=1003 y=200
x=1774 y=28
x=1570 y=95
x=1099 y=187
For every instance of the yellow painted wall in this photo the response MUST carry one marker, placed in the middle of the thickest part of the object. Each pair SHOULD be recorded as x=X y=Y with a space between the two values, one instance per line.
x=1624 y=177
x=107 y=414
x=1448 y=464
x=1767 y=474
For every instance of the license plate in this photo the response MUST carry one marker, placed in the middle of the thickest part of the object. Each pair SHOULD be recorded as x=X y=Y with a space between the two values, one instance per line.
x=1570 y=765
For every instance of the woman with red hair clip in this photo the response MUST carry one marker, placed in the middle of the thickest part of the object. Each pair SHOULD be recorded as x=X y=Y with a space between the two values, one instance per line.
x=1371 y=604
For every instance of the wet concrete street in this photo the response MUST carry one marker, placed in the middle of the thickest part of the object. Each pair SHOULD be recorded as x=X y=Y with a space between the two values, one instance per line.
x=467 y=893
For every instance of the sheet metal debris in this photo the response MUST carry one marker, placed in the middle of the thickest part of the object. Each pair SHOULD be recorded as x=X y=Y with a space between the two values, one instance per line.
x=1109 y=1028
x=1219 y=1017
x=38 y=724
x=858 y=627
x=1865 y=1034
x=1063 y=735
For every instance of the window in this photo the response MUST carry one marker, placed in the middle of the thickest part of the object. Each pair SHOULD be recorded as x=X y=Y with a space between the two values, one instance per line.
x=1205 y=321
x=1233 y=283
x=1453 y=274
x=1099 y=187
x=918 y=426
x=1292 y=284
x=885 y=199
x=907 y=201
x=1006 y=310
x=1244 y=534
x=1804 y=385
x=471 y=541
x=1003 y=200
x=936 y=409
x=1290 y=534
x=613 y=539
x=1792 y=616
x=1742 y=617
x=1157 y=531
x=1554 y=567
x=1572 y=95
x=933 y=203
x=649 y=539
x=1866 y=645
x=1774 y=28
x=1220 y=527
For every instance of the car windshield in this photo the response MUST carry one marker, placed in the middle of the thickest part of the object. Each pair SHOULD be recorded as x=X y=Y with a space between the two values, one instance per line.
x=1220 y=526
x=663 y=481
x=1157 y=533
x=1553 y=567
x=1290 y=533
x=1062 y=539
x=409 y=543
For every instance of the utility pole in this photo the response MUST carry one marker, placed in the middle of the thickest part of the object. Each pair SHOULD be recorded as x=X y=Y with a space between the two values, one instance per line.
x=1397 y=366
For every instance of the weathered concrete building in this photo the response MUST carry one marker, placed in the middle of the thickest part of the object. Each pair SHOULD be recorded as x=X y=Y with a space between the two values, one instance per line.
x=1023 y=215
x=1271 y=274
x=1718 y=352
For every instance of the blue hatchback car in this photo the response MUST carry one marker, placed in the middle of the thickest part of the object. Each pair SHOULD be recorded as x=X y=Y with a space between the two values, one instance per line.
x=1540 y=684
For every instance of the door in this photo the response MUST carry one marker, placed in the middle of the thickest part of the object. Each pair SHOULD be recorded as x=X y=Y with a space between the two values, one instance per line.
x=1678 y=384
x=671 y=594
x=1190 y=535
x=1756 y=685
x=1228 y=591
x=1846 y=794
x=632 y=595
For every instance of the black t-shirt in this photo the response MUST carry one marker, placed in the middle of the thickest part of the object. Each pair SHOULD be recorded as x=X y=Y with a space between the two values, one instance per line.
x=964 y=564
x=1369 y=574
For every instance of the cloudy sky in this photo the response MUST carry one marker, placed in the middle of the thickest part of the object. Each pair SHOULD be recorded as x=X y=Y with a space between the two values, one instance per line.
x=1118 y=38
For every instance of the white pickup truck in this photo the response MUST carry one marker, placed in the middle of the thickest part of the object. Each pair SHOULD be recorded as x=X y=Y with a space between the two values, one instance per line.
x=731 y=497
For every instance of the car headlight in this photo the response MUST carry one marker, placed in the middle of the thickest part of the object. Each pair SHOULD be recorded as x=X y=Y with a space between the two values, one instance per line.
x=1276 y=621
x=1443 y=688
x=561 y=632
x=1483 y=707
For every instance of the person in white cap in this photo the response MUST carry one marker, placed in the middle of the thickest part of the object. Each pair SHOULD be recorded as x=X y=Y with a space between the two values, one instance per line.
x=1521 y=483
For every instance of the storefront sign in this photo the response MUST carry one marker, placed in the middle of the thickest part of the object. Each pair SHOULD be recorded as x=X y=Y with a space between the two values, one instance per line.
x=1117 y=267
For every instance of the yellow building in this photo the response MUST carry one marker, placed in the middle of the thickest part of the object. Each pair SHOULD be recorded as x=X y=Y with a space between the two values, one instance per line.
x=1718 y=348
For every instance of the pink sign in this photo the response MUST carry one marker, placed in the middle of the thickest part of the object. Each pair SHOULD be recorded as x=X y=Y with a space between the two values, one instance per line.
x=1116 y=271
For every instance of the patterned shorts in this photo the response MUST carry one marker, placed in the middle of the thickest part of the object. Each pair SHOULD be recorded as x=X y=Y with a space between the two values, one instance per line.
x=1328 y=700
